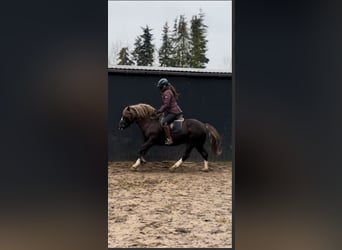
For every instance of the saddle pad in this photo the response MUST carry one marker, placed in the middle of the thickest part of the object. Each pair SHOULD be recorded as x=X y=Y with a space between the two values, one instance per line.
x=176 y=125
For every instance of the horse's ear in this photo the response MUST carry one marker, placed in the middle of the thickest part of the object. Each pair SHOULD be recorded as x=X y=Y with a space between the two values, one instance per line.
x=128 y=108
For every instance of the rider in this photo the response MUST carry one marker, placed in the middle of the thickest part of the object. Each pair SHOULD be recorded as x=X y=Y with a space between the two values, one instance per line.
x=170 y=107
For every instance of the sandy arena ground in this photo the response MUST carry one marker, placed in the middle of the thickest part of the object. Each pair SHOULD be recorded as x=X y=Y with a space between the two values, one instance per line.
x=153 y=208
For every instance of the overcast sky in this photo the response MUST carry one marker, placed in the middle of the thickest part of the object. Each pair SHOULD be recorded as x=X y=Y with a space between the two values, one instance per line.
x=125 y=19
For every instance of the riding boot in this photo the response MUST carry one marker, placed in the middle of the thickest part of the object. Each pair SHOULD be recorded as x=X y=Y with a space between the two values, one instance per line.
x=168 y=140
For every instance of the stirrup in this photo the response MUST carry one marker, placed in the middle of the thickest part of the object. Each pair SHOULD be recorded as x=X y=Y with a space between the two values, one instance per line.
x=168 y=141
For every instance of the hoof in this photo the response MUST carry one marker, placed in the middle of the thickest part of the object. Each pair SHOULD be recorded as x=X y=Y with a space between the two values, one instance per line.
x=205 y=170
x=171 y=170
x=133 y=169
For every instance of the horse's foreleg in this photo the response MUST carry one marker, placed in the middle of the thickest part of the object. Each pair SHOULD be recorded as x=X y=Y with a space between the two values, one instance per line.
x=186 y=155
x=205 y=168
x=136 y=164
x=142 y=152
x=176 y=165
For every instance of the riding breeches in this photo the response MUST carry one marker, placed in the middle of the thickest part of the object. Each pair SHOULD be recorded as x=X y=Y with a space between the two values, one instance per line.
x=168 y=118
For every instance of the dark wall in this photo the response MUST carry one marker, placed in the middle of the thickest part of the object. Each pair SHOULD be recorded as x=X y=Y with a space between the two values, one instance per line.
x=206 y=98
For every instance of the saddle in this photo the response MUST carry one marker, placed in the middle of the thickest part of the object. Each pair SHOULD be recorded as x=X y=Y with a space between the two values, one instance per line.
x=176 y=125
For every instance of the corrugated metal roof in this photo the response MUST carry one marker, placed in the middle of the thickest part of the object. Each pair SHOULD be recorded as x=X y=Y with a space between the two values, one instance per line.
x=167 y=70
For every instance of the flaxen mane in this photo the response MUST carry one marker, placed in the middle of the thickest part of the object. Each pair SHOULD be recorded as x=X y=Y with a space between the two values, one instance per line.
x=138 y=111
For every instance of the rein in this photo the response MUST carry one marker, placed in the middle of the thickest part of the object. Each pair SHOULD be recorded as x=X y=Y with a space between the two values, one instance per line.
x=155 y=116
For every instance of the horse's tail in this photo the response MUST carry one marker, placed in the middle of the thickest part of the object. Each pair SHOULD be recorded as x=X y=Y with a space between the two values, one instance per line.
x=214 y=138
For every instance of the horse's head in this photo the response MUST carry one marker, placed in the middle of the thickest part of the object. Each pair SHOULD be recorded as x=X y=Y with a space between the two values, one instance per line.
x=135 y=112
x=127 y=118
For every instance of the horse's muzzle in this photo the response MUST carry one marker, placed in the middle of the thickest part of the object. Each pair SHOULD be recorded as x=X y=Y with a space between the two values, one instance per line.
x=122 y=126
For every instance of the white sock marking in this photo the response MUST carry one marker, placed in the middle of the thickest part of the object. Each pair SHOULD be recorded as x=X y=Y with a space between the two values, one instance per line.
x=205 y=164
x=178 y=163
x=137 y=163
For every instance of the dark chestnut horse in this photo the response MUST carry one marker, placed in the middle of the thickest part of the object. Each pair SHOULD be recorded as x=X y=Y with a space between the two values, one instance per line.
x=193 y=133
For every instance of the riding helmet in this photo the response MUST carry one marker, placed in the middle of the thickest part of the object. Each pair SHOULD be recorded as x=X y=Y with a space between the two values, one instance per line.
x=162 y=82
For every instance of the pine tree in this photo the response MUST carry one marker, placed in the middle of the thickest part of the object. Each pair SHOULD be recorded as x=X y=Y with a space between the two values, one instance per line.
x=124 y=57
x=137 y=52
x=166 y=50
x=181 y=42
x=148 y=48
x=198 y=42
x=143 y=48
x=174 y=35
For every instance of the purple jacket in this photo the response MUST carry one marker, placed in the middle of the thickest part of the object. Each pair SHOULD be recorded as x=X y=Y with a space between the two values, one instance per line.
x=169 y=102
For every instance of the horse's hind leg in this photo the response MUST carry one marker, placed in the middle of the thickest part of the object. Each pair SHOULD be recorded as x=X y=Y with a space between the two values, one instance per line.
x=204 y=154
x=186 y=155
